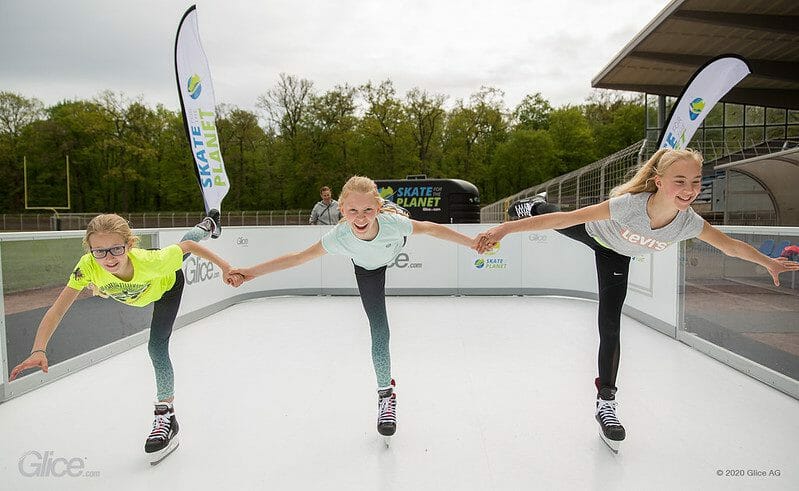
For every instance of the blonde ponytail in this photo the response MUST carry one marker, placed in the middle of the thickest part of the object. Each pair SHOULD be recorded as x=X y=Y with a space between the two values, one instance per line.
x=644 y=179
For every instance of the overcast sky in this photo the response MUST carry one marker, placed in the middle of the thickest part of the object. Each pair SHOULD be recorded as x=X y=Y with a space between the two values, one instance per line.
x=58 y=49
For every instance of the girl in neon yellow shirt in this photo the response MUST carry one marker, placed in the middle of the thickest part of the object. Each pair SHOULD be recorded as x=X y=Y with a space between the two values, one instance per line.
x=113 y=267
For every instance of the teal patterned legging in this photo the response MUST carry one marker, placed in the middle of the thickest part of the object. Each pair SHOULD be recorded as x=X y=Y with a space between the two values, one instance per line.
x=372 y=287
x=165 y=310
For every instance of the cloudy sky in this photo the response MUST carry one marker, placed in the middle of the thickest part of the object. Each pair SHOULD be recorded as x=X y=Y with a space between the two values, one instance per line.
x=57 y=49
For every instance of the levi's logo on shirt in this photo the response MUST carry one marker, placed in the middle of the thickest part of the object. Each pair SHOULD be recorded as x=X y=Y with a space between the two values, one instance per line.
x=643 y=241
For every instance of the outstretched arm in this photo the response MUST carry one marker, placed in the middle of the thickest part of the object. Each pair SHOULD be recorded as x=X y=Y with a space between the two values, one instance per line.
x=441 y=232
x=285 y=261
x=47 y=326
x=557 y=220
x=736 y=248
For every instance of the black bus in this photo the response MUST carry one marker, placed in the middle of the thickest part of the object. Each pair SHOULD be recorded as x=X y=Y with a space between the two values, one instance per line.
x=434 y=200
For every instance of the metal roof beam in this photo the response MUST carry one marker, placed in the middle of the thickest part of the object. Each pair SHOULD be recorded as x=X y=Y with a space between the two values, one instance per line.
x=784 y=71
x=781 y=24
x=757 y=97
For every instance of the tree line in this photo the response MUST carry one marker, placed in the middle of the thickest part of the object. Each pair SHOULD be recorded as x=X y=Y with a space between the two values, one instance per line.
x=127 y=156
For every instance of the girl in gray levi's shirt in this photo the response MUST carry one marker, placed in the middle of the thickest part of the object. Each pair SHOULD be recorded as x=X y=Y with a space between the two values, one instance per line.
x=647 y=214
x=629 y=230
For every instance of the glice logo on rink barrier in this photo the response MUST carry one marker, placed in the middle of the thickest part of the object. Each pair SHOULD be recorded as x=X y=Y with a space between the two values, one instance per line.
x=36 y=464
x=242 y=241
x=198 y=269
x=403 y=260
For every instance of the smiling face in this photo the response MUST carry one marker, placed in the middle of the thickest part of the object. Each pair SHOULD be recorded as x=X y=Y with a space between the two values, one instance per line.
x=680 y=183
x=116 y=265
x=326 y=196
x=360 y=211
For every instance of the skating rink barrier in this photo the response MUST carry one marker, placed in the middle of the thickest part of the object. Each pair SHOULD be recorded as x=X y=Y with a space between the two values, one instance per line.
x=531 y=263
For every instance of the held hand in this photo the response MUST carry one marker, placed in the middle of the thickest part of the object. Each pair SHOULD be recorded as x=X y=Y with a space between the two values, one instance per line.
x=233 y=278
x=488 y=239
x=244 y=274
x=482 y=243
x=37 y=359
x=781 y=265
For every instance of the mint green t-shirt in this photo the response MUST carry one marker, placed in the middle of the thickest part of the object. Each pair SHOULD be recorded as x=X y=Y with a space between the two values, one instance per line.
x=153 y=275
x=370 y=254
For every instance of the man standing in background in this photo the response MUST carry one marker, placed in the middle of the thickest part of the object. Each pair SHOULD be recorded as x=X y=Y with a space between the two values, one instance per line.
x=325 y=212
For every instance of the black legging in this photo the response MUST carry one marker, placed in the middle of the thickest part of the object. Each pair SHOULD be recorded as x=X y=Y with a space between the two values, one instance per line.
x=165 y=310
x=612 y=270
x=372 y=287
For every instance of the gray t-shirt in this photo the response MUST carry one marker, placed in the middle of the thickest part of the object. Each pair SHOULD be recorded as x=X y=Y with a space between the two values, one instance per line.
x=628 y=231
x=323 y=214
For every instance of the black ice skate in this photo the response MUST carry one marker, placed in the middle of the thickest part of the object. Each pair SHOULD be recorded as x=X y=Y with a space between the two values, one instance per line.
x=163 y=440
x=212 y=224
x=612 y=432
x=525 y=207
x=387 y=412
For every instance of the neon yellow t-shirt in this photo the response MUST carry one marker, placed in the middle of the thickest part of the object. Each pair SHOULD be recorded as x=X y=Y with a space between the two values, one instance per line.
x=153 y=275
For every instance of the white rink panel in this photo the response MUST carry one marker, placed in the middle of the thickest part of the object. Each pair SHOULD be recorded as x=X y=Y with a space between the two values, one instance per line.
x=500 y=268
x=554 y=261
x=426 y=263
x=494 y=393
x=545 y=261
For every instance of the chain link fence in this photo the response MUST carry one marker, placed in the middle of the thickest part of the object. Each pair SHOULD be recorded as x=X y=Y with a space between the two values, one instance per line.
x=31 y=222
x=585 y=186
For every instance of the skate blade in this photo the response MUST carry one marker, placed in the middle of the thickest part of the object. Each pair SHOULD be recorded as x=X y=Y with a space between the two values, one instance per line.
x=387 y=441
x=156 y=457
x=613 y=445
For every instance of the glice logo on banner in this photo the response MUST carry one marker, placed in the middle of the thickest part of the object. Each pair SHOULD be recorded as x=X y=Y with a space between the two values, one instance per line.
x=198 y=270
x=194 y=87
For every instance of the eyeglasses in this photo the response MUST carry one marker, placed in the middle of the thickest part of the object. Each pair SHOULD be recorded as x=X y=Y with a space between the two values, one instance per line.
x=115 y=251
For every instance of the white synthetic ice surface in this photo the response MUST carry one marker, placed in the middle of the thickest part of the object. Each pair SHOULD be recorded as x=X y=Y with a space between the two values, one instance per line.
x=494 y=393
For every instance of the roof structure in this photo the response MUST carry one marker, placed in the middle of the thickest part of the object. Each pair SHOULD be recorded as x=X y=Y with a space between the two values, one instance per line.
x=687 y=33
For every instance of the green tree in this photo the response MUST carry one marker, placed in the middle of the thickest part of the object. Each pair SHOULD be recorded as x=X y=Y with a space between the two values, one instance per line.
x=426 y=116
x=16 y=114
x=573 y=138
x=239 y=134
x=387 y=149
x=527 y=158
x=532 y=113
x=616 y=120
x=472 y=133
x=332 y=123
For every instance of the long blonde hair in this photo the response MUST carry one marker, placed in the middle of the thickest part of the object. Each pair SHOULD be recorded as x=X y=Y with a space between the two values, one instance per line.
x=109 y=223
x=363 y=184
x=644 y=179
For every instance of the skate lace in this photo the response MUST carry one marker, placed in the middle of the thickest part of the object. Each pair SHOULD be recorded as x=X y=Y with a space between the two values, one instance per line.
x=161 y=427
x=387 y=408
x=607 y=412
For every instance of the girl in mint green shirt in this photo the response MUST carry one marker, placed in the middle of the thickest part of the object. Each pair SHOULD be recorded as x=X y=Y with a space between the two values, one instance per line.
x=371 y=233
